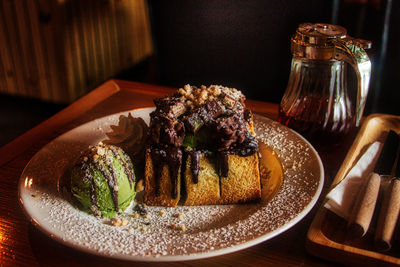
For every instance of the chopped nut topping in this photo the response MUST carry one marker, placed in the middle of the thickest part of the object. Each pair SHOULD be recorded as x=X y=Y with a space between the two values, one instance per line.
x=178 y=109
x=140 y=185
x=180 y=227
x=195 y=97
x=116 y=222
x=136 y=215
x=180 y=216
x=162 y=212
x=101 y=151
x=124 y=222
x=147 y=216
x=229 y=101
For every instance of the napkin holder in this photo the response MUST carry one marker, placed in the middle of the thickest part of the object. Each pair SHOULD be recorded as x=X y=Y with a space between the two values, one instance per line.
x=326 y=237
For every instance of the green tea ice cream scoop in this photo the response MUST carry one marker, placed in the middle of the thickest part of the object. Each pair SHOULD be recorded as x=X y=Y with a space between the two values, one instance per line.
x=103 y=180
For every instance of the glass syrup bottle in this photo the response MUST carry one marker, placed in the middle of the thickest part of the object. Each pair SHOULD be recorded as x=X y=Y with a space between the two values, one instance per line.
x=316 y=102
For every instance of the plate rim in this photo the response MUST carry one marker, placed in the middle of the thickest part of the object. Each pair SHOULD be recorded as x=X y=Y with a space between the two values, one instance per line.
x=170 y=258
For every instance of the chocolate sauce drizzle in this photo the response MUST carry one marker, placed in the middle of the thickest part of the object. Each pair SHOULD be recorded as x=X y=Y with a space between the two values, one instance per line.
x=195 y=165
x=172 y=156
x=247 y=148
x=222 y=164
x=93 y=195
x=109 y=175
x=125 y=164
x=111 y=181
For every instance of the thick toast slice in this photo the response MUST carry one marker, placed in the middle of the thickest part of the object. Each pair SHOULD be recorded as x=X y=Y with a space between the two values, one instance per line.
x=207 y=189
x=241 y=185
x=165 y=197
x=243 y=181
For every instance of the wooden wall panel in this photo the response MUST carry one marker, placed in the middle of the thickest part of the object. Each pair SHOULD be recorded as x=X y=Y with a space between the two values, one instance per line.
x=57 y=50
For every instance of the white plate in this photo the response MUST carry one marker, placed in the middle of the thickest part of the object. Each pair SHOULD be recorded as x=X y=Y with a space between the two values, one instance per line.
x=210 y=230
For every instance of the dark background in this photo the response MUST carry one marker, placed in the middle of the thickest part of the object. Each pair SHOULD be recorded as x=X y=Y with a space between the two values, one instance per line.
x=243 y=44
x=246 y=44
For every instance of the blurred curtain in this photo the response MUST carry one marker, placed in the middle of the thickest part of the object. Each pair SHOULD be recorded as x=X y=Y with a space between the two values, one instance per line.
x=57 y=50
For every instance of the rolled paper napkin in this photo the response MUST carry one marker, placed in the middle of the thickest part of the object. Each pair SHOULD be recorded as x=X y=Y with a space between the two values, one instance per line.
x=341 y=198
x=364 y=206
x=388 y=216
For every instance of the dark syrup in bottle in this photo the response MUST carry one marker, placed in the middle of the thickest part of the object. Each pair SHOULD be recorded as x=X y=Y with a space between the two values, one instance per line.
x=320 y=125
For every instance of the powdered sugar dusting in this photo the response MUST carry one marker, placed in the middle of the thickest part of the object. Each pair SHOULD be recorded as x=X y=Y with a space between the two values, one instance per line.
x=199 y=231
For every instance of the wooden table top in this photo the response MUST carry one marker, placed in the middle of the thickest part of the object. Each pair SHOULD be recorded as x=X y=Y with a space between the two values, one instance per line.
x=22 y=244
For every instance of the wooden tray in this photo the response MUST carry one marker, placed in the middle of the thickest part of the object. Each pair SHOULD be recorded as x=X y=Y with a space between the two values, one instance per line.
x=326 y=237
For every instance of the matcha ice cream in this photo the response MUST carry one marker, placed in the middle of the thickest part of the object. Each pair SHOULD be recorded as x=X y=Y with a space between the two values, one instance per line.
x=103 y=180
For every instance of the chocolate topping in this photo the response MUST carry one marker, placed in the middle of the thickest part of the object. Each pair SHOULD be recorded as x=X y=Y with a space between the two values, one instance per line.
x=229 y=131
x=195 y=165
x=171 y=106
x=204 y=115
x=165 y=130
x=215 y=117
x=222 y=164
x=172 y=157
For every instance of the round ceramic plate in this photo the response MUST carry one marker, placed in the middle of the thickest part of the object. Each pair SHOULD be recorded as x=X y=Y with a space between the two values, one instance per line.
x=209 y=230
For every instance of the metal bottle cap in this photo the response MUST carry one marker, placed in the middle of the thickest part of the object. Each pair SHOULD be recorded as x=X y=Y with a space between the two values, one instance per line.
x=318 y=41
x=319 y=33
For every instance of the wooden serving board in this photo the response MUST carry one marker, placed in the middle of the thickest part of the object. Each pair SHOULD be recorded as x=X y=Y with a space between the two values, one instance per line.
x=327 y=237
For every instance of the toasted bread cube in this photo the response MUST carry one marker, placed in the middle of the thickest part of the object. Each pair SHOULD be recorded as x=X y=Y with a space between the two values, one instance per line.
x=206 y=191
x=243 y=181
x=165 y=198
